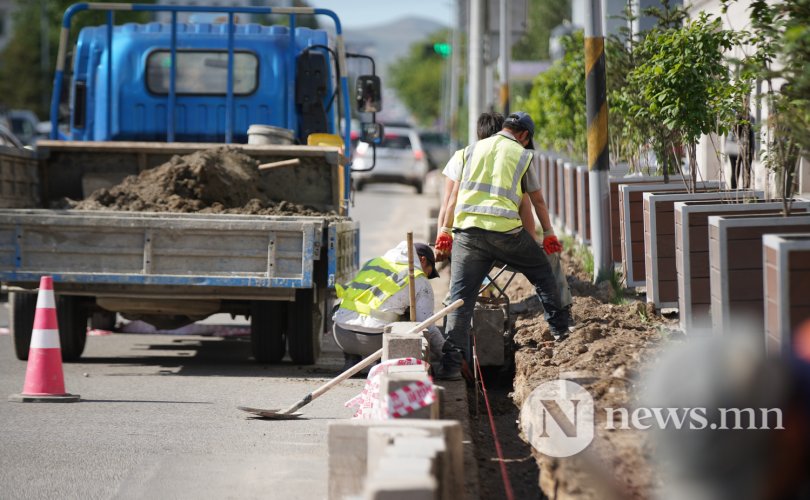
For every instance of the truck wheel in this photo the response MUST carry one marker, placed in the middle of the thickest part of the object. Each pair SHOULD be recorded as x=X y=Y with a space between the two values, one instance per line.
x=305 y=328
x=268 y=325
x=23 y=306
x=72 y=318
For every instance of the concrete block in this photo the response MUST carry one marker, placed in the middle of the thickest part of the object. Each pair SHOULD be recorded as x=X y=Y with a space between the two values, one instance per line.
x=401 y=488
x=348 y=445
x=390 y=382
x=408 y=369
x=401 y=327
x=488 y=326
x=396 y=345
x=380 y=439
x=416 y=466
x=433 y=447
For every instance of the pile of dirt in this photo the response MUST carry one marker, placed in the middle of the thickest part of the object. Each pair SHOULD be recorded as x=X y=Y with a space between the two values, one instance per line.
x=221 y=180
x=609 y=351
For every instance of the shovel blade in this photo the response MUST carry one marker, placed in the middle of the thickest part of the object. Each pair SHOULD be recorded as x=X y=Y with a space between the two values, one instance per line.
x=274 y=414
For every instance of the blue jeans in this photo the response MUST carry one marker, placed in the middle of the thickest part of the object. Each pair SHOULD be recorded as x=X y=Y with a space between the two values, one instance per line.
x=474 y=253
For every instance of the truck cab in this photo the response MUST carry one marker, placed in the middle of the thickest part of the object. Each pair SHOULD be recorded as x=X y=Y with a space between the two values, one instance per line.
x=121 y=85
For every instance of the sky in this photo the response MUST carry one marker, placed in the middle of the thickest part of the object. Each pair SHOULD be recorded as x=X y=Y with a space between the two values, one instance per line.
x=362 y=13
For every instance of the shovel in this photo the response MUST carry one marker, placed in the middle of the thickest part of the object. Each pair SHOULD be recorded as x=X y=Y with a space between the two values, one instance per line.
x=289 y=413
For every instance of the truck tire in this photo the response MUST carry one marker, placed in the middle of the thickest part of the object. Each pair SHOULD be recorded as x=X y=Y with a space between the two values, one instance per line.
x=305 y=328
x=22 y=308
x=72 y=318
x=268 y=330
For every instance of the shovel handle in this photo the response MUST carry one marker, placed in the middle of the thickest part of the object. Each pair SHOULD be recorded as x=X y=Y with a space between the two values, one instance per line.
x=282 y=163
x=371 y=359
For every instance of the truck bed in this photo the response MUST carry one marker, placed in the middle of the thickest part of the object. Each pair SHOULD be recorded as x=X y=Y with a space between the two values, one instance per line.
x=173 y=255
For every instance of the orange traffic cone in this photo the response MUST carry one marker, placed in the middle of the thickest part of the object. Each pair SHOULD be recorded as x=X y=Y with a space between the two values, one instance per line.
x=44 y=381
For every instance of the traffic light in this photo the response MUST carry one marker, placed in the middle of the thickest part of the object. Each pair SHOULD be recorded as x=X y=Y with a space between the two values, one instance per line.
x=443 y=49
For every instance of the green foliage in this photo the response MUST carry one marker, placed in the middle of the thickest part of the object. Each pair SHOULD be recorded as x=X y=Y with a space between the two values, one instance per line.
x=417 y=78
x=21 y=59
x=684 y=84
x=557 y=102
x=780 y=37
x=543 y=16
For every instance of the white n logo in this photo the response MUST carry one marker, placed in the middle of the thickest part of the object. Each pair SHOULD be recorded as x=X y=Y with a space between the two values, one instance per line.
x=557 y=418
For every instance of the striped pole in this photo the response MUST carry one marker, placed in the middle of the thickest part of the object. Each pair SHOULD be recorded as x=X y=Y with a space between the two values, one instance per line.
x=598 y=160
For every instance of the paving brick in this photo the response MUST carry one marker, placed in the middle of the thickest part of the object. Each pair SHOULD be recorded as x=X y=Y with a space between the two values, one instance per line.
x=348 y=452
x=396 y=345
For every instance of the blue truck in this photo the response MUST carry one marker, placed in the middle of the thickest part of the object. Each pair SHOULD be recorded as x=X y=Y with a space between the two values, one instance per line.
x=132 y=96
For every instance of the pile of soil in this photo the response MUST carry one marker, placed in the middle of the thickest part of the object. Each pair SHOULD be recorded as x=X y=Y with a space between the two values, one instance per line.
x=607 y=354
x=221 y=180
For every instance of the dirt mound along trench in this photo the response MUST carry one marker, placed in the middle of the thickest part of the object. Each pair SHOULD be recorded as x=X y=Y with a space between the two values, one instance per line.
x=611 y=348
x=221 y=180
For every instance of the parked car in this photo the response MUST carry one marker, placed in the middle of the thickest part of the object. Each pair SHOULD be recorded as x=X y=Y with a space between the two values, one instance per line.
x=400 y=159
x=438 y=148
x=24 y=124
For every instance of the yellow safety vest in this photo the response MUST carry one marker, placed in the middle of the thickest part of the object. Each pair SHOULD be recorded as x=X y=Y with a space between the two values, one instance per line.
x=378 y=280
x=490 y=189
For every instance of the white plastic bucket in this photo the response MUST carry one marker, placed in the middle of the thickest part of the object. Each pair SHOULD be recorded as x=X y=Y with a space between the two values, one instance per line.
x=267 y=134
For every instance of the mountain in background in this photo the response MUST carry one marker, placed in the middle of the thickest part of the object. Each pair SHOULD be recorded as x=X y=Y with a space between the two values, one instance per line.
x=388 y=42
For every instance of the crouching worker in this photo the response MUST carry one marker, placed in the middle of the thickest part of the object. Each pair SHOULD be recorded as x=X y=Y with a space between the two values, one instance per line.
x=378 y=296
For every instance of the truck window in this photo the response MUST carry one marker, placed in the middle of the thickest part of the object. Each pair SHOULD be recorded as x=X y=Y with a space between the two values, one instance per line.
x=202 y=72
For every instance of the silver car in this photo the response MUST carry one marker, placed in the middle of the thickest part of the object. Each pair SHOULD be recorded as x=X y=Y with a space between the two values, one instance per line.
x=400 y=159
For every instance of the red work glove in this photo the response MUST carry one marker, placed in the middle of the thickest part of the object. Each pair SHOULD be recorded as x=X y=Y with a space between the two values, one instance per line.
x=444 y=245
x=551 y=244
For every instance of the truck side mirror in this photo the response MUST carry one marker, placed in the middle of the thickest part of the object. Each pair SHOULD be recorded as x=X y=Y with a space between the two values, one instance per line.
x=368 y=93
x=371 y=133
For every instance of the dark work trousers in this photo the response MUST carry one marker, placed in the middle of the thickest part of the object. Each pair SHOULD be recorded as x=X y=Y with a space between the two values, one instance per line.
x=474 y=253
x=740 y=172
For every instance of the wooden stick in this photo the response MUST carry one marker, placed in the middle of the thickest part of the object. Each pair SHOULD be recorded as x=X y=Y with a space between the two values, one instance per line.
x=411 y=288
x=282 y=163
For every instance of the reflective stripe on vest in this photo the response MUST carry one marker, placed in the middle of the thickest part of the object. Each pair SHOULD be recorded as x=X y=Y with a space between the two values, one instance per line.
x=490 y=189
x=378 y=280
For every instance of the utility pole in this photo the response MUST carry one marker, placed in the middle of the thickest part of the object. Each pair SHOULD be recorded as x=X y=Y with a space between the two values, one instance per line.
x=476 y=64
x=455 y=70
x=505 y=27
x=598 y=159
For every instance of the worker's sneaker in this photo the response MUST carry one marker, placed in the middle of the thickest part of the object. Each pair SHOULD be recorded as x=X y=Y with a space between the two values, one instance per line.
x=450 y=366
x=560 y=335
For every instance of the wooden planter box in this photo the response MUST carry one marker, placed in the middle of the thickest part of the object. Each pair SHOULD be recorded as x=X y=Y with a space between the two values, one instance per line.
x=659 y=240
x=615 y=223
x=786 y=263
x=583 y=205
x=735 y=257
x=692 y=254
x=631 y=219
x=571 y=198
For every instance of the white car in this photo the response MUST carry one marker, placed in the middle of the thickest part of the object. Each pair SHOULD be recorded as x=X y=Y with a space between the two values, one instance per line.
x=400 y=159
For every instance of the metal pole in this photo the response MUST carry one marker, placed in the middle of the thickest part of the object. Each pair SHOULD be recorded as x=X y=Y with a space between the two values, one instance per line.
x=411 y=288
x=476 y=62
x=505 y=25
x=455 y=70
x=598 y=160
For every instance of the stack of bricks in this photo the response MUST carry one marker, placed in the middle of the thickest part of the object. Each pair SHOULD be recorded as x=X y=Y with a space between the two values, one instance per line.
x=415 y=456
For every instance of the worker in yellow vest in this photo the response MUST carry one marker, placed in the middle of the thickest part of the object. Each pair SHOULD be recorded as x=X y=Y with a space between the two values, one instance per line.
x=482 y=225
x=379 y=295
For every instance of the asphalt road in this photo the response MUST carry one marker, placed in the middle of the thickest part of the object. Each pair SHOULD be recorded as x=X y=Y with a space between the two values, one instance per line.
x=158 y=415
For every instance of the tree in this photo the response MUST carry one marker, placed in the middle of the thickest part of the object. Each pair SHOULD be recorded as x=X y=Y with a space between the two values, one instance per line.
x=685 y=83
x=557 y=101
x=417 y=78
x=543 y=16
